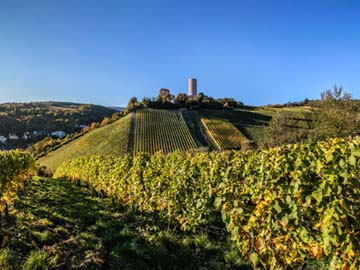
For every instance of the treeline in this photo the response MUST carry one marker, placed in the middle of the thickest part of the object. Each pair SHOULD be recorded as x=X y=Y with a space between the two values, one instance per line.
x=305 y=102
x=335 y=114
x=165 y=100
x=285 y=208
x=15 y=168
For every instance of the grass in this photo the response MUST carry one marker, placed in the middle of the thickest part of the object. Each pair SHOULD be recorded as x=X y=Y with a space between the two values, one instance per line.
x=59 y=225
x=193 y=123
x=251 y=121
x=109 y=140
x=301 y=117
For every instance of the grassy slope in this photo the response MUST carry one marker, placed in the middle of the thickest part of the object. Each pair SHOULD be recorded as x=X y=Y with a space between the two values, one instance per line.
x=251 y=120
x=193 y=123
x=59 y=225
x=109 y=140
x=224 y=134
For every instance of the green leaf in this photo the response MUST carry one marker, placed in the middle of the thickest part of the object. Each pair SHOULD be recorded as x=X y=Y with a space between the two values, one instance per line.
x=218 y=202
x=352 y=160
x=277 y=207
x=317 y=195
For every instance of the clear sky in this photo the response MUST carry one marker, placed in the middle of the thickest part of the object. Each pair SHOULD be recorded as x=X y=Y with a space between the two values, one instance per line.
x=105 y=52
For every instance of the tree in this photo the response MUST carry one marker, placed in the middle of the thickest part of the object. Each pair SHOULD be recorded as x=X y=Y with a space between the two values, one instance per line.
x=145 y=101
x=229 y=103
x=181 y=99
x=104 y=122
x=335 y=115
x=93 y=125
x=200 y=97
x=164 y=96
x=132 y=104
x=280 y=131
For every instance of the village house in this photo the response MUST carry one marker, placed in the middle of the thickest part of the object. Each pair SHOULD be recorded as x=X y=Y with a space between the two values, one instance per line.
x=59 y=134
x=3 y=139
x=40 y=133
x=13 y=136
x=27 y=136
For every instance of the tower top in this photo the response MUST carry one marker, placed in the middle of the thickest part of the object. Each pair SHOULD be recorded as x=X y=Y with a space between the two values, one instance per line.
x=192 y=87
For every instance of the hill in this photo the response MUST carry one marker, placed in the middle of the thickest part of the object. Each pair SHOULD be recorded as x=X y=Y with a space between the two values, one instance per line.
x=112 y=139
x=45 y=117
x=152 y=130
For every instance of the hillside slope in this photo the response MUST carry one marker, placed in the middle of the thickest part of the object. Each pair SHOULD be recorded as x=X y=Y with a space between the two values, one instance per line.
x=164 y=130
x=152 y=130
x=252 y=120
x=224 y=134
x=109 y=140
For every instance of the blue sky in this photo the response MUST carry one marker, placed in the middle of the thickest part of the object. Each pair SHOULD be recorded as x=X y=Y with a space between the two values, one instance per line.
x=105 y=52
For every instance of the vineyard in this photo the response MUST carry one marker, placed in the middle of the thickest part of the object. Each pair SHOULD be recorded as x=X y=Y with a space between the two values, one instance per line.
x=251 y=121
x=285 y=208
x=224 y=134
x=15 y=168
x=164 y=130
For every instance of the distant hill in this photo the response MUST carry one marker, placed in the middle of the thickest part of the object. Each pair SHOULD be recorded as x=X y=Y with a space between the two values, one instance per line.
x=19 y=118
x=119 y=109
x=152 y=130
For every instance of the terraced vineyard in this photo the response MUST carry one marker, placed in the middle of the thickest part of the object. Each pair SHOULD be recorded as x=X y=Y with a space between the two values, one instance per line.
x=223 y=133
x=164 y=130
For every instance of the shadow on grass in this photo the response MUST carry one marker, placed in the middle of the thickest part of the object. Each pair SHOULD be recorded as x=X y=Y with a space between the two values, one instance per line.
x=243 y=117
x=58 y=225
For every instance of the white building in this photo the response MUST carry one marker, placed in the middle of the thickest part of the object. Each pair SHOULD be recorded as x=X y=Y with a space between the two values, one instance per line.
x=40 y=133
x=59 y=134
x=3 y=139
x=13 y=136
x=27 y=135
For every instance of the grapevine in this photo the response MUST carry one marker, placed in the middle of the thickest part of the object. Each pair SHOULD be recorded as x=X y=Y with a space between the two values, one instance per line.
x=161 y=130
x=282 y=207
x=224 y=134
x=15 y=168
